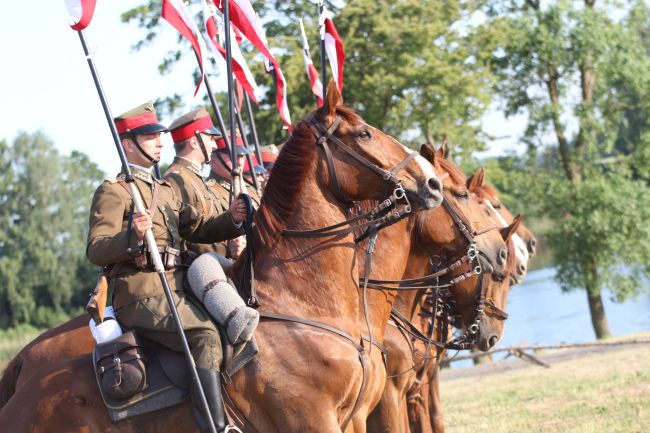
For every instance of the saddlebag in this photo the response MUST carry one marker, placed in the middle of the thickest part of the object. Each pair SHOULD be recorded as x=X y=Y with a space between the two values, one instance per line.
x=120 y=365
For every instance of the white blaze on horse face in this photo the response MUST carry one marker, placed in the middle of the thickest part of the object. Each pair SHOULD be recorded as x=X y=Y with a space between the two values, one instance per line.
x=425 y=166
x=521 y=252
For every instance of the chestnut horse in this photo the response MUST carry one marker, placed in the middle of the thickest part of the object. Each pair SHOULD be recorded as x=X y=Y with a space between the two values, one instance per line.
x=426 y=410
x=524 y=241
x=304 y=378
x=439 y=239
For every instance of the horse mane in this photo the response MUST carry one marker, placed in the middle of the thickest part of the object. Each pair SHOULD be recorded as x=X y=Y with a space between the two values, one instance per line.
x=290 y=171
x=457 y=176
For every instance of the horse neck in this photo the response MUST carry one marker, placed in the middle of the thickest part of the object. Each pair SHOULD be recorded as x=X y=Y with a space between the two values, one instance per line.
x=388 y=263
x=418 y=265
x=310 y=277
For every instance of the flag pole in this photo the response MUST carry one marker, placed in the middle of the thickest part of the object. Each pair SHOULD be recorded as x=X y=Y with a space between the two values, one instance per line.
x=231 y=108
x=249 y=158
x=256 y=141
x=149 y=237
x=323 y=67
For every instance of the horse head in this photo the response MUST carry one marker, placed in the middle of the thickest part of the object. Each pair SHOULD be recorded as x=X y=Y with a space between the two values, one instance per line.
x=359 y=158
x=524 y=240
x=461 y=230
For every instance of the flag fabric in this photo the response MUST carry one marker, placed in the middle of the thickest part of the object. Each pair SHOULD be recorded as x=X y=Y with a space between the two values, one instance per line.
x=333 y=44
x=175 y=12
x=244 y=18
x=81 y=12
x=312 y=73
x=215 y=30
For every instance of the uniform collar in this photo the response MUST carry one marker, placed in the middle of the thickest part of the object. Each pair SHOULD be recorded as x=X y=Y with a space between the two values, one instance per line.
x=142 y=173
x=190 y=165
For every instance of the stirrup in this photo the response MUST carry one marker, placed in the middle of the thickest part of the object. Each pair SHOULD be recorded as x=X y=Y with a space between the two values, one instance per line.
x=230 y=428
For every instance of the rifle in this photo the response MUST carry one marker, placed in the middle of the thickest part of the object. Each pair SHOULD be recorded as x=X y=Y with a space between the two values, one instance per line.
x=97 y=302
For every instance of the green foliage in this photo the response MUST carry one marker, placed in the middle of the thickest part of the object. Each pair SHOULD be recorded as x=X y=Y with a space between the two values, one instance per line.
x=44 y=201
x=599 y=223
x=581 y=76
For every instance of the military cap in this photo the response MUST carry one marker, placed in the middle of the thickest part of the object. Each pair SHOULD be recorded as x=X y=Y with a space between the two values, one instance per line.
x=258 y=169
x=269 y=155
x=191 y=123
x=139 y=120
x=240 y=149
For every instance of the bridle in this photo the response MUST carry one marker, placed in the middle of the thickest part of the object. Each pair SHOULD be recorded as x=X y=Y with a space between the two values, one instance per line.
x=381 y=215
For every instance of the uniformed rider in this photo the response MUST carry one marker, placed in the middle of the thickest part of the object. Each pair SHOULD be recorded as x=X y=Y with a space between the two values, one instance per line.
x=194 y=138
x=116 y=240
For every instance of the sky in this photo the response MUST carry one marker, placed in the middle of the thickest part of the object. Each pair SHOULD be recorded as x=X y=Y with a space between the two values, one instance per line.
x=46 y=85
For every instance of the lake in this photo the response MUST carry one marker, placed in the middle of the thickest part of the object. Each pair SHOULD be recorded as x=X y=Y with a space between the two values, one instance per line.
x=540 y=313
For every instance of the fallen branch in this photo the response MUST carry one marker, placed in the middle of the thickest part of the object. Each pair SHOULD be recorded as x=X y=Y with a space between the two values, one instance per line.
x=519 y=350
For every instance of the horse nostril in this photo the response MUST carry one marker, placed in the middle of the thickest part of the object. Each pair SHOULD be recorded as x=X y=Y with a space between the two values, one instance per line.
x=492 y=341
x=503 y=256
x=435 y=184
x=521 y=269
x=532 y=245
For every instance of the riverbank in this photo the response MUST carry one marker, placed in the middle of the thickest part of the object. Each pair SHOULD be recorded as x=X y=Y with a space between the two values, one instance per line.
x=585 y=390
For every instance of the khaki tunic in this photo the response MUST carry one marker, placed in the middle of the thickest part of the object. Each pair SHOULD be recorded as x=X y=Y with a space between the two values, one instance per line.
x=138 y=299
x=190 y=186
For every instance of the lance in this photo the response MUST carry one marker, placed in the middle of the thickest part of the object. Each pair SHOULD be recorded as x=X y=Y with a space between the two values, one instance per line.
x=249 y=158
x=256 y=141
x=236 y=174
x=323 y=68
x=149 y=237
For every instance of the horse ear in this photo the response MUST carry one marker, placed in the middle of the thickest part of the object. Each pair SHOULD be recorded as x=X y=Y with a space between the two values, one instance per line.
x=334 y=98
x=507 y=232
x=440 y=153
x=476 y=180
x=428 y=153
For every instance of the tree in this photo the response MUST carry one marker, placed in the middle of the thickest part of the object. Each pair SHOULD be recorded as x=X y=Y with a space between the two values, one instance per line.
x=572 y=68
x=410 y=69
x=44 y=200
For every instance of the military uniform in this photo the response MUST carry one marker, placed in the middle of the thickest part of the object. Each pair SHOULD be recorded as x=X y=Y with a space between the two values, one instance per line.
x=223 y=187
x=185 y=177
x=138 y=296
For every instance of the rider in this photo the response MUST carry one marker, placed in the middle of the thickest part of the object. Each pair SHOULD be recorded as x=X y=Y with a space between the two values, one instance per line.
x=116 y=240
x=194 y=138
x=220 y=169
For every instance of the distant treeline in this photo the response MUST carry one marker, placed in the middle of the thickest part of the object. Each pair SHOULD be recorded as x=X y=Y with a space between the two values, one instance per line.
x=44 y=202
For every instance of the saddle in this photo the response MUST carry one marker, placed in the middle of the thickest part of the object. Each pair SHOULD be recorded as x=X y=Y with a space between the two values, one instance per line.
x=137 y=376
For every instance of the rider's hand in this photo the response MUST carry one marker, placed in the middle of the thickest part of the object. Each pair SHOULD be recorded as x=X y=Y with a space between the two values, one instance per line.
x=238 y=210
x=236 y=247
x=141 y=222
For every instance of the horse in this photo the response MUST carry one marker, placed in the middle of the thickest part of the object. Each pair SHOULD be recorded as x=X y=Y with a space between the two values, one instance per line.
x=524 y=240
x=305 y=377
x=440 y=235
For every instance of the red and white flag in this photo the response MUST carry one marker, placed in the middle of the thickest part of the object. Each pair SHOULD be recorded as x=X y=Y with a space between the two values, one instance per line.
x=243 y=17
x=312 y=73
x=176 y=13
x=81 y=13
x=215 y=30
x=333 y=44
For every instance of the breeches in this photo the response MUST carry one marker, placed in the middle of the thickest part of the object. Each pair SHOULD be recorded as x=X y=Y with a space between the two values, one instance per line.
x=152 y=319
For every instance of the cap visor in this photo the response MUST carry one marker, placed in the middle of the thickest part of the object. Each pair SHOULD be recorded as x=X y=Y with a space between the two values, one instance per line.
x=212 y=131
x=149 y=129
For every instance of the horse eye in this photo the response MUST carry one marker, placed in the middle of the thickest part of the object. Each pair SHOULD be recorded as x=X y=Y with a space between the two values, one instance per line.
x=461 y=194
x=364 y=135
x=497 y=205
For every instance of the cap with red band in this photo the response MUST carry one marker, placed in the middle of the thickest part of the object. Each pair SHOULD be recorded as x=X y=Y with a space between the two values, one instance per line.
x=189 y=124
x=140 y=120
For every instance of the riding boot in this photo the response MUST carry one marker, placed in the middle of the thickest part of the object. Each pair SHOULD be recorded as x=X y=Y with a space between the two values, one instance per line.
x=211 y=383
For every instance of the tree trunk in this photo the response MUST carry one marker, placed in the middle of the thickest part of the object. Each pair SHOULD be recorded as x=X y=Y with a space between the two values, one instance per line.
x=596 y=308
x=563 y=144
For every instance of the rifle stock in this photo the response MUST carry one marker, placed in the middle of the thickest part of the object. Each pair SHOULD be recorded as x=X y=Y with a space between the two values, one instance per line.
x=97 y=303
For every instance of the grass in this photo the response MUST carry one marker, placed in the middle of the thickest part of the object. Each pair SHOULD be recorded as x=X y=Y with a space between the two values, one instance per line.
x=14 y=339
x=594 y=393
